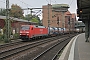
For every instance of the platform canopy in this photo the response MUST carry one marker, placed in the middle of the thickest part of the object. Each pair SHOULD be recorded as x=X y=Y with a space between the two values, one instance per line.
x=83 y=8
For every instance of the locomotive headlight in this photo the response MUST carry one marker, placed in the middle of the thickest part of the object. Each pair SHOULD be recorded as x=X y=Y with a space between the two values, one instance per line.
x=20 y=31
x=20 y=34
x=27 y=32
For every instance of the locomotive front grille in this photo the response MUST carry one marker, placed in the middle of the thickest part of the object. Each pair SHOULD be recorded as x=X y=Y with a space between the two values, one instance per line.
x=24 y=36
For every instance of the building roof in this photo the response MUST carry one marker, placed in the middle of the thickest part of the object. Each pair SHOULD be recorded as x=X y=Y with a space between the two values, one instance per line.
x=60 y=6
x=68 y=13
x=72 y=14
x=15 y=19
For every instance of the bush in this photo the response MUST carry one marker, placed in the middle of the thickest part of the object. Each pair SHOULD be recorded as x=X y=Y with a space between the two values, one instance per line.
x=5 y=40
x=2 y=38
x=16 y=36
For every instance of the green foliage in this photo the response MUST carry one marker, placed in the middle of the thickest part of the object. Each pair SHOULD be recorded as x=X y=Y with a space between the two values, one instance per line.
x=6 y=41
x=2 y=38
x=16 y=36
x=28 y=17
x=32 y=18
x=3 y=12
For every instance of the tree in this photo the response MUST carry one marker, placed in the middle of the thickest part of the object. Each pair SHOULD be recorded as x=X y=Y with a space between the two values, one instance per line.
x=33 y=18
x=39 y=21
x=28 y=17
x=16 y=11
x=3 y=12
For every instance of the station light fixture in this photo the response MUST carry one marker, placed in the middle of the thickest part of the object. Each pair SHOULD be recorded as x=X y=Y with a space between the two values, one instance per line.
x=79 y=12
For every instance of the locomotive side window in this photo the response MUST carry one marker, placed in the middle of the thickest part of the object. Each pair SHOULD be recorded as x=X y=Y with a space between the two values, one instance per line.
x=32 y=29
x=25 y=27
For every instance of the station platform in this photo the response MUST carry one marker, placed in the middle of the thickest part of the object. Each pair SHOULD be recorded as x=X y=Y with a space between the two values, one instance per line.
x=77 y=49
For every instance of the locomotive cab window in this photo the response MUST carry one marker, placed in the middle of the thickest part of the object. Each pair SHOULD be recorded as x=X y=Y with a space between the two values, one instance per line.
x=25 y=27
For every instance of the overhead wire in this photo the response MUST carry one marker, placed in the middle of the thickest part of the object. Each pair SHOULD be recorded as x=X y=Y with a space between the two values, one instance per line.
x=54 y=2
x=2 y=1
x=71 y=6
x=47 y=1
x=1 y=7
x=25 y=3
x=70 y=2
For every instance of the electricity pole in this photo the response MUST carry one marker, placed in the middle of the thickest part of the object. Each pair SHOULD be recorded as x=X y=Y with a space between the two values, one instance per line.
x=69 y=24
x=48 y=18
x=63 y=21
x=58 y=23
x=7 y=20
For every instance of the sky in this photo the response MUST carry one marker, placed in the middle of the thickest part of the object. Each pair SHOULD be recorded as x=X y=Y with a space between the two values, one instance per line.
x=39 y=4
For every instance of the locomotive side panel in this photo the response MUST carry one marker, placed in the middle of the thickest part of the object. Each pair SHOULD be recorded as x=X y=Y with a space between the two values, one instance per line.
x=39 y=31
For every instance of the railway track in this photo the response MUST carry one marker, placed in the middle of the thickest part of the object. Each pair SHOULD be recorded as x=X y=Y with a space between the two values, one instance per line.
x=12 y=51
x=10 y=44
x=7 y=53
x=52 y=52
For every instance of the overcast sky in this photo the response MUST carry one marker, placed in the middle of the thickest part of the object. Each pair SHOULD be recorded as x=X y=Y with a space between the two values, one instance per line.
x=39 y=3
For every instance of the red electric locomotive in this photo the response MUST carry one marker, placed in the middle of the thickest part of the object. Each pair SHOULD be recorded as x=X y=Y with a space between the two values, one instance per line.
x=32 y=31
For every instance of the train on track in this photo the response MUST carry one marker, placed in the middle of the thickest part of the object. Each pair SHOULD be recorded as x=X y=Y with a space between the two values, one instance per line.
x=29 y=32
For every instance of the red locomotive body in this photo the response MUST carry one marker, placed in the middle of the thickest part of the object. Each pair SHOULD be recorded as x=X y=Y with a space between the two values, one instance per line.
x=32 y=31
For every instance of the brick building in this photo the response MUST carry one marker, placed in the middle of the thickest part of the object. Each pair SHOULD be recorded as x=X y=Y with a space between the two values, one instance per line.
x=55 y=19
x=15 y=23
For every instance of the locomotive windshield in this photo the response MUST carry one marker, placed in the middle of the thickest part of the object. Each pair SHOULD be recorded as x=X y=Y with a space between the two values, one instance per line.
x=25 y=27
